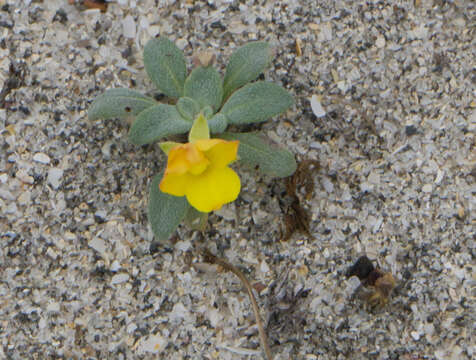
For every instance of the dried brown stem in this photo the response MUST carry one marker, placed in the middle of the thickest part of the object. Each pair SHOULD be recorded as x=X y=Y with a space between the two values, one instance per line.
x=212 y=259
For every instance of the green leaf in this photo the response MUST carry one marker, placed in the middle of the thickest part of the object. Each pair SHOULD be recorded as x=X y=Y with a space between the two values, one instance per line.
x=166 y=146
x=256 y=102
x=256 y=150
x=204 y=85
x=165 y=211
x=156 y=122
x=245 y=65
x=119 y=103
x=218 y=123
x=188 y=108
x=199 y=130
x=207 y=111
x=165 y=65
x=195 y=219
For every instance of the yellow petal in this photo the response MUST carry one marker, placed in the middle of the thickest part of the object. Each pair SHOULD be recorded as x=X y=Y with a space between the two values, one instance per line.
x=186 y=157
x=206 y=144
x=176 y=184
x=223 y=153
x=213 y=188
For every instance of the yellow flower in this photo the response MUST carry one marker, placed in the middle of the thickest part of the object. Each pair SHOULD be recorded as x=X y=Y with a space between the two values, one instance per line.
x=199 y=170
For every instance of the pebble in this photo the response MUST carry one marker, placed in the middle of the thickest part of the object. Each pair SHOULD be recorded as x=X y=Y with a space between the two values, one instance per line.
x=181 y=43
x=380 y=42
x=152 y=344
x=415 y=335
x=53 y=307
x=427 y=188
x=129 y=27
x=99 y=245
x=119 y=278
x=115 y=266
x=54 y=177
x=23 y=176
x=41 y=158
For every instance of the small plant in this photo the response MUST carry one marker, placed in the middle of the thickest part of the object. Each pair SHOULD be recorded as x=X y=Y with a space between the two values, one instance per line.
x=197 y=178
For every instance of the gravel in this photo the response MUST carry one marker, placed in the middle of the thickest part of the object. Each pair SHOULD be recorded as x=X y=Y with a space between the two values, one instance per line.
x=393 y=84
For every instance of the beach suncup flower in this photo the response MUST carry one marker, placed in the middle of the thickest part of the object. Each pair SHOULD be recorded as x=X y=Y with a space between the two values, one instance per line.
x=199 y=169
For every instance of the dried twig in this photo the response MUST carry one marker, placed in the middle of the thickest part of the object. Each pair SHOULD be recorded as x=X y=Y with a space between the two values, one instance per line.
x=212 y=259
x=296 y=217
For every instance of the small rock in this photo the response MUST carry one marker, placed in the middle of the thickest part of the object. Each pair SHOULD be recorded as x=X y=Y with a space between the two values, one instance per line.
x=327 y=184
x=153 y=344
x=41 y=158
x=181 y=43
x=415 y=335
x=100 y=216
x=131 y=328
x=380 y=42
x=326 y=32
x=53 y=307
x=459 y=22
x=23 y=176
x=51 y=253
x=427 y=188
x=439 y=176
x=99 y=245
x=119 y=279
x=227 y=212
x=183 y=245
x=410 y=130
x=129 y=27
x=24 y=198
x=264 y=268
x=178 y=312
x=54 y=177
x=6 y=195
x=115 y=266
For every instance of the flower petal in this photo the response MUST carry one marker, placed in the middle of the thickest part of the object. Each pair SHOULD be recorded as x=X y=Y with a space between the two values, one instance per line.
x=215 y=187
x=186 y=157
x=223 y=153
x=176 y=184
x=206 y=144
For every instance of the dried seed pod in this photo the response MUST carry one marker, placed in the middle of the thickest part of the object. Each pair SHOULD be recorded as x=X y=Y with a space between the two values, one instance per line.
x=204 y=58
x=380 y=283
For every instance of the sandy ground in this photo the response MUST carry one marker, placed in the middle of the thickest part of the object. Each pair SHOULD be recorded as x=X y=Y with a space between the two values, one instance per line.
x=83 y=278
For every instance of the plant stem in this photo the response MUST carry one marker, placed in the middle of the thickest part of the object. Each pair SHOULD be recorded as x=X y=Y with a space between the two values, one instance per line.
x=212 y=259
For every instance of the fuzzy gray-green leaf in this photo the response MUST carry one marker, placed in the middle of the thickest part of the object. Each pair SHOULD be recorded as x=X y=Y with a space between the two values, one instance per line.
x=245 y=65
x=119 y=103
x=157 y=122
x=165 y=65
x=165 y=212
x=256 y=150
x=256 y=102
x=218 y=123
x=188 y=108
x=204 y=85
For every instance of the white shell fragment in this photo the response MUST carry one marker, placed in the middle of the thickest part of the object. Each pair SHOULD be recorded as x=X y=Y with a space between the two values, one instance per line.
x=129 y=27
x=316 y=107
